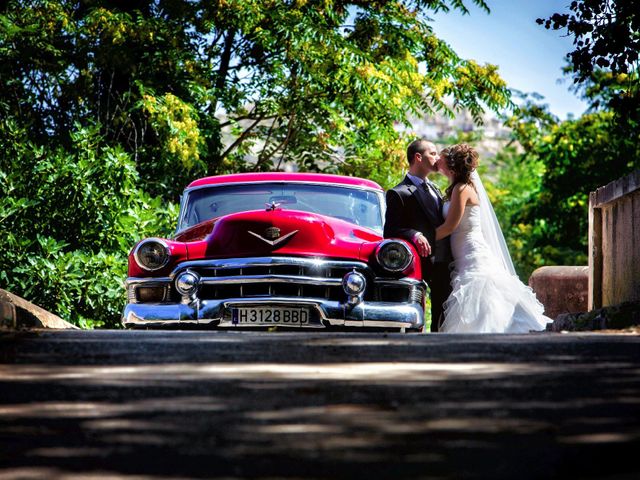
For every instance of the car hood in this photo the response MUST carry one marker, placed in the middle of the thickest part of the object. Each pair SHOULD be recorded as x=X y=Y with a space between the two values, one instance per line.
x=281 y=232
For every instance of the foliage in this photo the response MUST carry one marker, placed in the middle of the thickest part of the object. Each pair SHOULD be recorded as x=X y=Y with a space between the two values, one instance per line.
x=194 y=87
x=68 y=218
x=606 y=35
x=541 y=191
x=607 y=44
x=584 y=154
x=560 y=164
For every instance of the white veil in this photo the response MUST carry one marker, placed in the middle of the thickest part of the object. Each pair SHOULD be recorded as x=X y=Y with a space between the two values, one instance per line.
x=490 y=227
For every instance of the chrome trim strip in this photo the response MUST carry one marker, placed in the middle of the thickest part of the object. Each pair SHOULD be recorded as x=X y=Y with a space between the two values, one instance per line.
x=241 y=279
x=147 y=282
x=269 y=261
x=164 y=281
x=404 y=282
x=284 y=182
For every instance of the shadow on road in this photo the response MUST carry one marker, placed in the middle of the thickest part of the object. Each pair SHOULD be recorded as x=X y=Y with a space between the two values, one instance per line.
x=250 y=405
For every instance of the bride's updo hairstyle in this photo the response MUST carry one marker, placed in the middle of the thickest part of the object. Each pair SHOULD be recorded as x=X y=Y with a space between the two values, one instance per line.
x=461 y=160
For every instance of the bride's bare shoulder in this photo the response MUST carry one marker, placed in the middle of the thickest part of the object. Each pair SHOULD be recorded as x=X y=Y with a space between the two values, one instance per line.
x=459 y=188
x=467 y=192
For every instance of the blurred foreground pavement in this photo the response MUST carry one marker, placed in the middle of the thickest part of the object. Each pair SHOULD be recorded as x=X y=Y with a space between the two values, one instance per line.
x=176 y=405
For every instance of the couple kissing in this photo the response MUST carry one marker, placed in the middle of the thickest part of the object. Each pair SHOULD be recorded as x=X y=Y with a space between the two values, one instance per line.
x=465 y=262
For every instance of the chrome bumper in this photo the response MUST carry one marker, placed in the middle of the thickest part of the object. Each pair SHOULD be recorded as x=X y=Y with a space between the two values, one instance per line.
x=217 y=313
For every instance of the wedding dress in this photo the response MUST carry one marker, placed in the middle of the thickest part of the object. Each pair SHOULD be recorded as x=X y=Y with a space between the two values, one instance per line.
x=487 y=297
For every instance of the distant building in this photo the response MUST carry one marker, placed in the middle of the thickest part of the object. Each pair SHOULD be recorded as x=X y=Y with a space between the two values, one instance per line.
x=441 y=129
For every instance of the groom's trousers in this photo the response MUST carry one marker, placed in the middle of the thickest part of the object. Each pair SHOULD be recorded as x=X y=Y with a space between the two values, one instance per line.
x=437 y=276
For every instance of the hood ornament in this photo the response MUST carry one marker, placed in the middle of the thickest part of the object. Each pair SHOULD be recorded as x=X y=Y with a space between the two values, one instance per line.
x=272 y=233
x=272 y=206
x=272 y=236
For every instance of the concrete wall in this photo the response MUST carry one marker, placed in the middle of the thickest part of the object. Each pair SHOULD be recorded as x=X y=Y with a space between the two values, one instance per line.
x=614 y=242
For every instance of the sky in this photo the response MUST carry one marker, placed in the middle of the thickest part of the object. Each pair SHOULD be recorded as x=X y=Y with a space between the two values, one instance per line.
x=530 y=58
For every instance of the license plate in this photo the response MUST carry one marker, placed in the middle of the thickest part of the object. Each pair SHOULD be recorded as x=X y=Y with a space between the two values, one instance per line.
x=269 y=316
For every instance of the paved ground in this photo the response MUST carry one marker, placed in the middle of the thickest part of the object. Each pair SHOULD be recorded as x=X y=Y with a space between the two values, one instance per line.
x=139 y=405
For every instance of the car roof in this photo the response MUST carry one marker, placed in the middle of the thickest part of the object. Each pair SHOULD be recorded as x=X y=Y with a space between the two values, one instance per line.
x=285 y=177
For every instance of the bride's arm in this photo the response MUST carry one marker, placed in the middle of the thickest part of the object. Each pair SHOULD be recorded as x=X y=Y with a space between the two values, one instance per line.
x=456 y=208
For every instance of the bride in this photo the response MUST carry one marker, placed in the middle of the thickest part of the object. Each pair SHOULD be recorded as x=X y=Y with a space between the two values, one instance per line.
x=487 y=295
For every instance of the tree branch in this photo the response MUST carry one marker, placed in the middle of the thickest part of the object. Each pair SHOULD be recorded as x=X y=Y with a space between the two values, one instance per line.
x=266 y=143
x=241 y=138
x=246 y=117
x=285 y=142
x=225 y=60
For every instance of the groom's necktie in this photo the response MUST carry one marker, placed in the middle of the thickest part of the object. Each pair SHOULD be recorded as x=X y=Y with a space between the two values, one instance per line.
x=433 y=191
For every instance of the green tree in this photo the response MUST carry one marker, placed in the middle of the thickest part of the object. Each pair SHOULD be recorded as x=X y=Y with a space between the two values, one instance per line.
x=193 y=87
x=606 y=35
x=605 y=61
x=573 y=157
x=566 y=160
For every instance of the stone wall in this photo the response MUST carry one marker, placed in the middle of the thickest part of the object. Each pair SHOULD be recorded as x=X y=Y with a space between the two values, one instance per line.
x=561 y=289
x=614 y=242
x=16 y=312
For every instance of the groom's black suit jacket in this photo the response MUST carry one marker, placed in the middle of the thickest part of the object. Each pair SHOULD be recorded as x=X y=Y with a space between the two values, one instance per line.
x=410 y=211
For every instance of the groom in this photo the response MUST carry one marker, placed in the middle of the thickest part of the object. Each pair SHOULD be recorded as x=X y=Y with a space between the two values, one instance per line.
x=414 y=210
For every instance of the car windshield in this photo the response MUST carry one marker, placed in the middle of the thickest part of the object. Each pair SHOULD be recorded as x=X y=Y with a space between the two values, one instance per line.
x=362 y=207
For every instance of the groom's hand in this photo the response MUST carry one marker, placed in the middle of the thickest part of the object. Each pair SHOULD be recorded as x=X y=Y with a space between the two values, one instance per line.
x=422 y=245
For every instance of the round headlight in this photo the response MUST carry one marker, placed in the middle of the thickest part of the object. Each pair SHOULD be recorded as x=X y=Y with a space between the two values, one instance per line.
x=152 y=254
x=393 y=255
x=187 y=283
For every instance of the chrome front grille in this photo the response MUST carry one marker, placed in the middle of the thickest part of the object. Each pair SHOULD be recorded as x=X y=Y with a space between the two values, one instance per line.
x=282 y=277
x=279 y=277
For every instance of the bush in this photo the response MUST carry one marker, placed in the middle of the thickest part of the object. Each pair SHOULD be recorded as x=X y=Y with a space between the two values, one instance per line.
x=68 y=218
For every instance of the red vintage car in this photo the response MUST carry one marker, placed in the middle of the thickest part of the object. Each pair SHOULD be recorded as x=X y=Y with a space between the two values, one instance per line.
x=294 y=250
